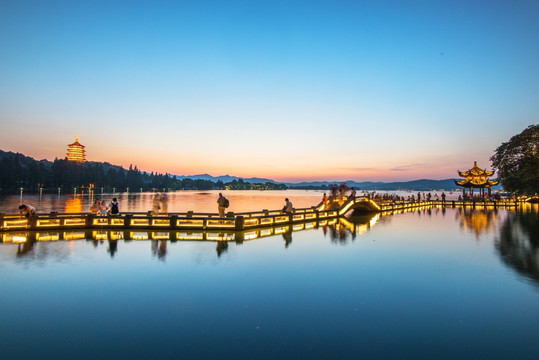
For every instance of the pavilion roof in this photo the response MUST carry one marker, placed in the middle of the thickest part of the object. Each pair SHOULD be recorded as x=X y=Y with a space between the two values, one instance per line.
x=476 y=183
x=475 y=171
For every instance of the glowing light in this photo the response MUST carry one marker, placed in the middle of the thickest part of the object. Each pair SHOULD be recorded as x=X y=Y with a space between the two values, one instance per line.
x=48 y=236
x=74 y=235
x=160 y=236
x=76 y=152
x=189 y=236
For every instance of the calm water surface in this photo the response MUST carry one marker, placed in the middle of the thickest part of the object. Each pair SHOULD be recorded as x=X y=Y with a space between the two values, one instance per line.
x=179 y=201
x=432 y=284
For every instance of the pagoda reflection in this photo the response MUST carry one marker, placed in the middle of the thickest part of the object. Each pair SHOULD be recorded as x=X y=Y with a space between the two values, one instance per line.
x=477 y=221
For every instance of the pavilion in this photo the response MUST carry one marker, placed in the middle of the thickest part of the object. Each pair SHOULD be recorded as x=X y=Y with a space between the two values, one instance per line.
x=476 y=178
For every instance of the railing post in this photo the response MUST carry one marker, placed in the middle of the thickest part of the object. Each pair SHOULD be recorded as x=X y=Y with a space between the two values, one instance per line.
x=32 y=222
x=239 y=223
x=127 y=220
x=174 y=222
x=88 y=219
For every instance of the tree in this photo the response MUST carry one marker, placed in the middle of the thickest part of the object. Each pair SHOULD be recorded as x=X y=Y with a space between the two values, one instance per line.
x=517 y=162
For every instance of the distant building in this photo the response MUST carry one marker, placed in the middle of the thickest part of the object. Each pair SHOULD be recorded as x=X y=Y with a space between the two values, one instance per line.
x=76 y=152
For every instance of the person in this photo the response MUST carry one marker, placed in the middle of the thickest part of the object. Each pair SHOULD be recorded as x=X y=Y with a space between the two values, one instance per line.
x=114 y=207
x=103 y=208
x=163 y=200
x=287 y=206
x=27 y=210
x=155 y=205
x=325 y=200
x=221 y=205
x=353 y=194
x=94 y=209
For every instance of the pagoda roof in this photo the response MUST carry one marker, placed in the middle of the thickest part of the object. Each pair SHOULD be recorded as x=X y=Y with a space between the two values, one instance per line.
x=476 y=171
x=476 y=183
x=76 y=143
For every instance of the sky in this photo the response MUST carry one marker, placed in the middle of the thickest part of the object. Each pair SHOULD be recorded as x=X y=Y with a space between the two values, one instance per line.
x=286 y=90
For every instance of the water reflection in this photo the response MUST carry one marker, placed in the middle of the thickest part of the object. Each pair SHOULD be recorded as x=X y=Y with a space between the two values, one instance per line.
x=340 y=230
x=518 y=242
x=113 y=247
x=477 y=221
x=346 y=229
x=74 y=205
x=159 y=249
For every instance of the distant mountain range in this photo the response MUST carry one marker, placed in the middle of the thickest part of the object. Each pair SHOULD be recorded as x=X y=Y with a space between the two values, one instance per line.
x=420 y=185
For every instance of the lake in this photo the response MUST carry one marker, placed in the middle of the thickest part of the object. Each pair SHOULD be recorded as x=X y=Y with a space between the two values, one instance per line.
x=427 y=284
x=181 y=201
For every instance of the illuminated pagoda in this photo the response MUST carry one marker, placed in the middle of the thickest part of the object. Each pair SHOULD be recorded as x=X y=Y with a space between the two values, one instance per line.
x=476 y=178
x=76 y=152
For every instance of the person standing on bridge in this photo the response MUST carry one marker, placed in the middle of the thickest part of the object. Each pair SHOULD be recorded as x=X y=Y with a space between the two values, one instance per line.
x=222 y=204
x=352 y=194
x=163 y=201
x=325 y=200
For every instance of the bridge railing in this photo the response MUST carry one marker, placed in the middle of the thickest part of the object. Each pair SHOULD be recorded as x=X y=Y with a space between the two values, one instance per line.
x=182 y=220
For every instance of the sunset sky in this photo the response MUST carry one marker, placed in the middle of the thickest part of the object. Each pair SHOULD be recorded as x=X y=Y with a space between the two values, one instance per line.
x=287 y=90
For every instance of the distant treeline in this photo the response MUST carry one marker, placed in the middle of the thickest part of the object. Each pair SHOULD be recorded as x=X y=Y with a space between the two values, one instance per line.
x=19 y=171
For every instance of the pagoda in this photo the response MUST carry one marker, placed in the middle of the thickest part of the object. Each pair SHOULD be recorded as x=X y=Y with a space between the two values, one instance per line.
x=476 y=178
x=76 y=152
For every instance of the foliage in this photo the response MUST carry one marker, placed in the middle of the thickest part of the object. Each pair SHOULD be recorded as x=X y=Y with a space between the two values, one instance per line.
x=517 y=162
x=17 y=170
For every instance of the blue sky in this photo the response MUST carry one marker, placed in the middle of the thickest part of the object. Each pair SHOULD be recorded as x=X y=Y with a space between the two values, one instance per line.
x=292 y=90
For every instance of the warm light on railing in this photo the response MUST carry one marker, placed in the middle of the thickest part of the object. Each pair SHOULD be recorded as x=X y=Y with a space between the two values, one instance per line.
x=47 y=236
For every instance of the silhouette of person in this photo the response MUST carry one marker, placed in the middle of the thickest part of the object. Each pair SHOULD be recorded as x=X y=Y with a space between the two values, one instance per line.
x=222 y=247
x=287 y=236
x=113 y=247
x=27 y=210
x=221 y=205
x=287 y=206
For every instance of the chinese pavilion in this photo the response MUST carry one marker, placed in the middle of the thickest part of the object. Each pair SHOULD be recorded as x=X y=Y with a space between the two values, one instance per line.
x=476 y=178
x=76 y=152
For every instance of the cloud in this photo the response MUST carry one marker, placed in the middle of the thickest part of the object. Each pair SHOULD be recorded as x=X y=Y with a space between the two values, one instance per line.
x=409 y=167
x=358 y=169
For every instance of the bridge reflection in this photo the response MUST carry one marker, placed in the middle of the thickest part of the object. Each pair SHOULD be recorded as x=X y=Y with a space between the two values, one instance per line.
x=339 y=230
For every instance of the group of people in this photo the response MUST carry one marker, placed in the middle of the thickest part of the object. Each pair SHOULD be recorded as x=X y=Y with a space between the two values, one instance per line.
x=101 y=208
x=160 y=206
